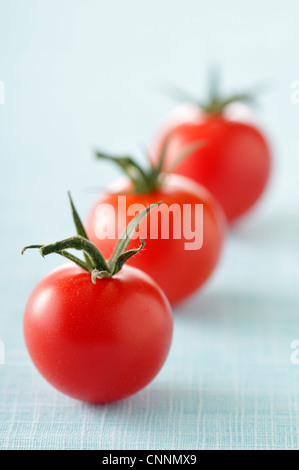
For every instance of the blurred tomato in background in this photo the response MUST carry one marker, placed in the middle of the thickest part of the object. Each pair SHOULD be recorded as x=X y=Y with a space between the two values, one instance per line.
x=235 y=159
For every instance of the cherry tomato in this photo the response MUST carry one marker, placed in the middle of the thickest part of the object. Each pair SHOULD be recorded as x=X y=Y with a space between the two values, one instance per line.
x=234 y=163
x=97 y=330
x=179 y=271
x=98 y=342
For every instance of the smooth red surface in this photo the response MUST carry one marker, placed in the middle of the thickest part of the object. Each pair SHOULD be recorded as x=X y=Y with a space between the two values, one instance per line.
x=234 y=164
x=179 y=272
x=98 y=343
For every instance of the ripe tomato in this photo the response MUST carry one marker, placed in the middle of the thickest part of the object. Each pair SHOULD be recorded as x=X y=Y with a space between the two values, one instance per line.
x=235 y=162
x=97 y=330
x=179 y=271
x=98 y=342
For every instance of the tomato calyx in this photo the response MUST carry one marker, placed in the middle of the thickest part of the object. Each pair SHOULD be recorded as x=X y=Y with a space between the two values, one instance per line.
x=150 y=179
x=94 y=262
x=216 y=105
x=216 y=102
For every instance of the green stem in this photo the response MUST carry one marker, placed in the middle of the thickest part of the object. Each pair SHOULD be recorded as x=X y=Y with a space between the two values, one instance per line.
x=29 y=247
x=80 y=229
x=63 y=253
x=94 y=262
x=122 y=244
x=73 y=258
x=78 y=243
x=137 y=175
x=149 y=180
x=215 y=102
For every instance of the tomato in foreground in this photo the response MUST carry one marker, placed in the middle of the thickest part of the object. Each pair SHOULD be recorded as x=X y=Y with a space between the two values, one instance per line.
x=183 y=259
x=97 y=331
x=235 y=162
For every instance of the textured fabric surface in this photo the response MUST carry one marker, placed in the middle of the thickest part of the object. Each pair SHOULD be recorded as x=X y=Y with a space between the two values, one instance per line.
x=228 y=381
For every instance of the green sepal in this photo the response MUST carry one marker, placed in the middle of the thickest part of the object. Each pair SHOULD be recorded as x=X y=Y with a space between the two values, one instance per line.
x=149 y=180
x=124 y=257
x=63 y=253
x=80 y=228
x=95 y=262
x=123 y=242
x=216 y=102
x=131 y=168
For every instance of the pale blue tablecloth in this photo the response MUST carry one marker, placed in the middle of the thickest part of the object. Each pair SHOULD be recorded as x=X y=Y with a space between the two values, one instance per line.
x=228 y=382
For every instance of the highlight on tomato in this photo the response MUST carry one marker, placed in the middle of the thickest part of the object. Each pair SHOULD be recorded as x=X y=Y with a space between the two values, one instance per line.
x=97 y=330
x=235 y=162
x=182 y=256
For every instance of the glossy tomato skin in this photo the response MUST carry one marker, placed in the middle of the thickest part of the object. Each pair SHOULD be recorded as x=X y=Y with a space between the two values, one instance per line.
x=234 y=164
x=98 y=342
x=178 y=271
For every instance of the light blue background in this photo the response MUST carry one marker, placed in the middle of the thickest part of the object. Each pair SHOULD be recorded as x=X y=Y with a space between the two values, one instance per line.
x=79 y=74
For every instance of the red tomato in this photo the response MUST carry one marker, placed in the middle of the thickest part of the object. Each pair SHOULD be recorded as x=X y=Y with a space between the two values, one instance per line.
x=98 y=342
x=179 y=271
x=234 y=164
